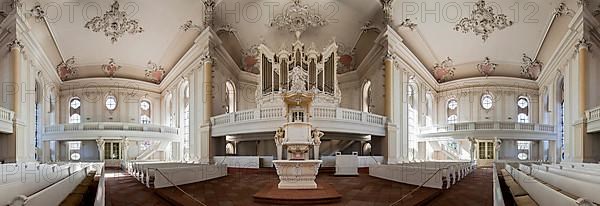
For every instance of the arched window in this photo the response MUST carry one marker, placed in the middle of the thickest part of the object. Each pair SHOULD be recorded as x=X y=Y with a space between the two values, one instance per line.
x=452 y=111
x=186 y=121
x=230 y=97
x=75 y=110
x=366 y=96
x=111 y=103
x=523 y=110
x=229 y=149
x=487 y=101
x=145 y=112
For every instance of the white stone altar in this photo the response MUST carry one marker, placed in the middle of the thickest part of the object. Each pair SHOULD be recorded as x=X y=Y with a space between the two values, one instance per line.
x=346 y=164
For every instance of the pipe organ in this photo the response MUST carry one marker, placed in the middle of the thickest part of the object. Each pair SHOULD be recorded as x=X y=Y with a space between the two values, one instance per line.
x=319 y=69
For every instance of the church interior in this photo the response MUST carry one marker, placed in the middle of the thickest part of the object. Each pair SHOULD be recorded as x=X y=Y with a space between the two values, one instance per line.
x=300 y=102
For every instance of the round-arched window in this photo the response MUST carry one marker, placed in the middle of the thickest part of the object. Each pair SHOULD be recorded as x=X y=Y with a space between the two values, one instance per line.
x=487 y=101
x=75 y=103
x=523 y=103
x=522 y=156
x=111 y=103
x=452 y=104
x=145 y=105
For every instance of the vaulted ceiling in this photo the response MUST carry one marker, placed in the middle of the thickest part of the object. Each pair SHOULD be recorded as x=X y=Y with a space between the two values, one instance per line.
x=432 y=40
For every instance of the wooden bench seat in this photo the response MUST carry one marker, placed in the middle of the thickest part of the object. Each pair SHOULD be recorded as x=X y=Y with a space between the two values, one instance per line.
x=525 y=200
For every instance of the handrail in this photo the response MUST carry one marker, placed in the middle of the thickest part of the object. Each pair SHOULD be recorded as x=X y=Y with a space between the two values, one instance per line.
x=169 y=180
x=419 y=187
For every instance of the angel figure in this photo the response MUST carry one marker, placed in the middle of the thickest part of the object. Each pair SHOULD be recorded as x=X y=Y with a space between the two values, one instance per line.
x=279 y=136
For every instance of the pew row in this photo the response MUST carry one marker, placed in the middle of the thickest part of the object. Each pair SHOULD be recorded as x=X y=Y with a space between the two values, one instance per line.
x=580 y=188
x=571 y=173
x=542 y=194
x=440 y=175
x=166 y=177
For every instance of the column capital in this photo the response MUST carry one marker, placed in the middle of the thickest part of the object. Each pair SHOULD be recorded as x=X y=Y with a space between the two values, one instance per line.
x=207 y=59
x=15 y=44
x=583 y=43
x=389 y=56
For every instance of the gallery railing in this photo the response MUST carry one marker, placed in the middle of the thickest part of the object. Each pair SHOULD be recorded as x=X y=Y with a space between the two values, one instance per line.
x=488 y=125
x=6 y=115
x=110 y=126
x=319 y=113
x=593 y=114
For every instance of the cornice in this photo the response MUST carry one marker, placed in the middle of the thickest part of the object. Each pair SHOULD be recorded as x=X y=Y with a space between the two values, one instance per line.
x=493 y=81
x=106 y=82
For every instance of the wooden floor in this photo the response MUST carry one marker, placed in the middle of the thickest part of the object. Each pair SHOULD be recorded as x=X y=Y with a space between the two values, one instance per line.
x=240 y=185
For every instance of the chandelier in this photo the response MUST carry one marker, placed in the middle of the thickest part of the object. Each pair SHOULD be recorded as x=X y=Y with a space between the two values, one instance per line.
x=483 y=21
x=297 y=18
x=114 y=23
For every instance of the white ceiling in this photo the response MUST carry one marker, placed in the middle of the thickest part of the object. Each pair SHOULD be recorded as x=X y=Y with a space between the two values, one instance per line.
x=161 y=38
x=164 y=42
x=435 y=39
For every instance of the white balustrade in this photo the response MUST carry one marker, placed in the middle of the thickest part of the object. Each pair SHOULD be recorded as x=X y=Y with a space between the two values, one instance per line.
x=91 y=130
x=322 y=113
x=6 y=115
x=487 y=125
x=593 y=114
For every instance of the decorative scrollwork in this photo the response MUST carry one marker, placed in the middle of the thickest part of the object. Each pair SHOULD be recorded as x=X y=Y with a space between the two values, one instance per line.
x=486 y=67
x=155 y=72
x=66 y=69
x=444 y=71
x=114 y=23
x=297 y=19
x=530 y=68
x=111 y=68
x=483 y=21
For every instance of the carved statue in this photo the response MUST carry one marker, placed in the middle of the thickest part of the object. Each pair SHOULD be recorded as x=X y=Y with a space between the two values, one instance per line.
x=298 y=77
x=279 y=136
x=316 y=136
x=498 y=143
x=473 y=144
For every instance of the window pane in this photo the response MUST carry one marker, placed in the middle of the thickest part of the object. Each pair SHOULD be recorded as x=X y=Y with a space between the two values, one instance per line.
x=111 y=103
x=145 y=105
x=486 y=101
x=75 y=103
x=523 y=103
x=452 y=104
x=75 y=118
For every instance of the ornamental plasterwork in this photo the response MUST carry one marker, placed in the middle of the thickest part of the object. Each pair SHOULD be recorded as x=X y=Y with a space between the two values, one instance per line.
x=483 y=21
x=66 y=69
x=15 y=44
x=110 y=68
x=444 y=71
x=114 y=23
x=297 y=19
x=250 y=60
x=408 y=24
x=486 y=67
x=583 y=43
x=345 y=61
x=155 y=72
x=189 y=25
x=530 y=68
x=386 y=7
x=37 y=12
x=209 y=9
x=562 y=9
